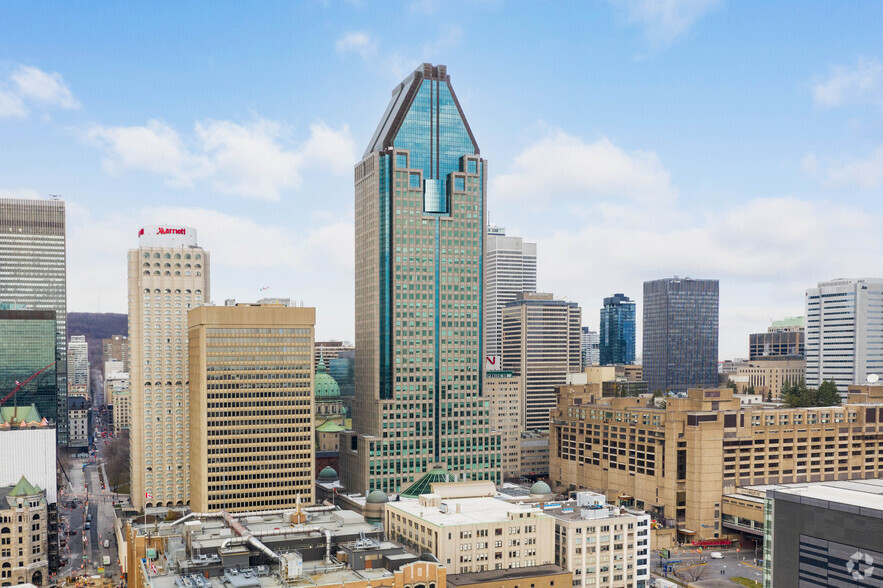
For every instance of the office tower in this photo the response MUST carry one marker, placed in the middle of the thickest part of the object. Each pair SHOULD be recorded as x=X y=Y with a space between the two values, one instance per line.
x=28 y=347
x=680 y=462
x=118 y=397
x=680 y=334
x=168 y=275
x=78 y=362
x=505 y=392
x=541 y=342
x=251 y=407
x=823 y=534
x=420 y=216
x=844 y=332
x=590 y=347
x=115 y=348
x=784 y=338
x=80 y=422
x=33 y=273
x=617 y=331
x=510 y=269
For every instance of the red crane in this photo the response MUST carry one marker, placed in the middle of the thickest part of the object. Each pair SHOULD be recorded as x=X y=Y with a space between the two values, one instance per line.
x=18 y=386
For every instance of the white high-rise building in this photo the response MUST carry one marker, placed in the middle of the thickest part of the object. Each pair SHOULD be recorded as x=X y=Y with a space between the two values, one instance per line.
x=78 y=362
x=844 y=332
x=510 y=269
x=590 y=347
x=168 y=275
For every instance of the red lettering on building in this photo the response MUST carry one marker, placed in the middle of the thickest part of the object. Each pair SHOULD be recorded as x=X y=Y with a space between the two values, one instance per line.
x=163 y=231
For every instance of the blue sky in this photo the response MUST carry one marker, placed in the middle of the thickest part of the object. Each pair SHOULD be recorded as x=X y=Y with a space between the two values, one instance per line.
x=631 y=139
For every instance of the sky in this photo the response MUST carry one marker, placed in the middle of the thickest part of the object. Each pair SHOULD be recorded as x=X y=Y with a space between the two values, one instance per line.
x=631 y=139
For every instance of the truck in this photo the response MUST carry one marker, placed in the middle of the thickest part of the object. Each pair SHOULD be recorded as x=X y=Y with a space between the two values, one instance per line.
x=106 y=559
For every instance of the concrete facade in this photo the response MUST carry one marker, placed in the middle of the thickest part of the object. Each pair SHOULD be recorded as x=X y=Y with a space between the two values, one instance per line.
x=168 y=275
x=251 y=407
x=505 y=392
x=510 y=269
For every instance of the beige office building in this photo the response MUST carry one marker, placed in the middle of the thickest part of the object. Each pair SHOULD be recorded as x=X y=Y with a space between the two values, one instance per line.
x=24 y=535
x=472 y=534
x=767 y=376
x=541 y=342
x=505 y=391
x=677 y=462
x=251 y=407
x=168 y=275
x=116 y=348
x=117 y=393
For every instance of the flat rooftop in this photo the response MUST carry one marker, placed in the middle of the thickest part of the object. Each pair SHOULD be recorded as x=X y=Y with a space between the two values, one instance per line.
x=315 y=573
x=471 y=510
x=502 y=575
x=861 y=494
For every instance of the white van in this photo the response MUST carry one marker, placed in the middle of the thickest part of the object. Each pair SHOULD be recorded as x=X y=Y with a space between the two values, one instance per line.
x=717 y=555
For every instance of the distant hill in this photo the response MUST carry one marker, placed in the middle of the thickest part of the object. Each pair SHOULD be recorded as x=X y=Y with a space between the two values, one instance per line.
x=96 y=326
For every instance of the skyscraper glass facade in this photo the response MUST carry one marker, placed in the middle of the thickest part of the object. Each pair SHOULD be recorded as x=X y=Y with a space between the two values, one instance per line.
x=33 y=273
x=420 y=210
x=680 y=334
x=617 y=331
x=28 y=345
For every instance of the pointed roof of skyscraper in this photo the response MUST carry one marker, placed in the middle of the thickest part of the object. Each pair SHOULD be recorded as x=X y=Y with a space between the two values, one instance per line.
x=400 y=104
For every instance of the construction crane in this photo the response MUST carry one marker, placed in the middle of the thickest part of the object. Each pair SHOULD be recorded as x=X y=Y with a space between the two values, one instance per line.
x=19 y=385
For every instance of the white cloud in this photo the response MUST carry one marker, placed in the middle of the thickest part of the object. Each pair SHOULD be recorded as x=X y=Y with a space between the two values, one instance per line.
x=861 y=82
x=449 y=38
x=11 y=105
x=21 y=193
x=862 y=173
x=765 y=253
x=665 y=21
x=27 y=85
x=254 y=160
x=49 y=88
x=358 y=42
x=561 y=165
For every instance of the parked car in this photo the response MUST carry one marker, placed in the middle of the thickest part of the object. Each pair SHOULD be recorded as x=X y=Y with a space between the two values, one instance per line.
x=107 y=543
x=71 y=532
x=717 y=555
x=88 y=526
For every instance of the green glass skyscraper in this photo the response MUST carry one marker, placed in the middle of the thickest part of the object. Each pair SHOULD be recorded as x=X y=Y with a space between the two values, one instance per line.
x=420 y=194
x=28 y=347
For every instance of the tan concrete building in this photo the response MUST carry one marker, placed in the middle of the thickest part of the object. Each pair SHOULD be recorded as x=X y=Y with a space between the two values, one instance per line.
x=472 y=534
x=541 y=342
x=116 y=348
x=118 y=394
x=168 y=275
x=533 y=454
x=603 y=546
x=251 y=407
x=24 y=535
x=677 y=462
x=767 y=376
x=505 y=391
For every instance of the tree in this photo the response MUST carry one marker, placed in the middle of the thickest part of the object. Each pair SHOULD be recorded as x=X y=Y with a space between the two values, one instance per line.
x=769 y=395
x=695 y=572
x=732 y=385
x=828 y=394
x=116 y=455
x=799 y=396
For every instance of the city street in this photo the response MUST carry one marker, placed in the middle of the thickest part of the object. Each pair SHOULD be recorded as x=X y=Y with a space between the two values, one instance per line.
x=85 y=549
x=734 y=563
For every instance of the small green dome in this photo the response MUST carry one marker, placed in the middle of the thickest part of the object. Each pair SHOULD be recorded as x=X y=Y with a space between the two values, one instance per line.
x=540 y=489
x=328 y=473
x=377 y=497
x=326 y=387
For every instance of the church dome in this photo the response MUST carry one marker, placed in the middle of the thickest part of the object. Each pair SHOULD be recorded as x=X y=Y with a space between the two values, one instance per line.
x=540 y=489
x=326 y=387
x=377 y=497
x=327 y=473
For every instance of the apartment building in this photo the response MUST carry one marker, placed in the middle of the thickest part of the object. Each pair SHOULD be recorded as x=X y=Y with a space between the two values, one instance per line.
x=251 y=406
x=767 y=376
x=505 y=392
x=24 y=528
x=677 y=462
x=118 y=397
x=472 y=534
x=601 y=545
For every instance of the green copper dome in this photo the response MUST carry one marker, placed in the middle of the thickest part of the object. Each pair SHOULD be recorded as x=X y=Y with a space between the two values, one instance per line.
x=326 y=387
x=328 y=473
x=377 y=497
x=540 y=489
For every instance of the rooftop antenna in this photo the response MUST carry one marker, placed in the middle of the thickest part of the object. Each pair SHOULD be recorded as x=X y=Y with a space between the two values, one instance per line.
x=55 y=196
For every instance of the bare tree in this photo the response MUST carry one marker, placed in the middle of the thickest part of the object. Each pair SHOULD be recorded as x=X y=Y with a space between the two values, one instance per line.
x=116 y=455
x=694 y=573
